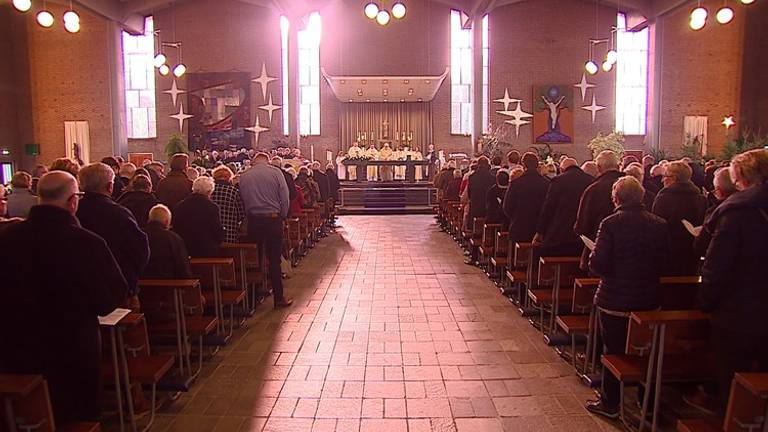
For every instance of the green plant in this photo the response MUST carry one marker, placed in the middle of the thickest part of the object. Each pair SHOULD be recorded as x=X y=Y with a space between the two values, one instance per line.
x=659 y=154
x=546 y=153
x=747 y=141
x=176 y=144
x=692 y=147
x=613 y=141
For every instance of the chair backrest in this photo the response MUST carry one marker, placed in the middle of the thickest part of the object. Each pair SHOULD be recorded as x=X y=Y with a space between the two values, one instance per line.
x=501 y=245
x=28 y=397
x=489 y=234
x=569 y=270
x=748 y=402
x=584 y=294
x=679 y=293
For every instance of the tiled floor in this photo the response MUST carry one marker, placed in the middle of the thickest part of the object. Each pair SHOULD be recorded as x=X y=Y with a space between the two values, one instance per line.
x=390 y=332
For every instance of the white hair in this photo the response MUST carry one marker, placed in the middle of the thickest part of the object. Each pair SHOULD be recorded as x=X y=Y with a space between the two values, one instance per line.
x=161 y=214
x=627 y=190
x=127 y=169
x=203 y=185
x=607 y=160
x=96 y=177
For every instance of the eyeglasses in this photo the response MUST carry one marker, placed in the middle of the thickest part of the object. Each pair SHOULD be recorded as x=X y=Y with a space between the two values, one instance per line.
x=76 y=194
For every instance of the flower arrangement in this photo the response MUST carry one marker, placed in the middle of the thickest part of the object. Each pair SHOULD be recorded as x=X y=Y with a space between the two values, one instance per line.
x=613 y=141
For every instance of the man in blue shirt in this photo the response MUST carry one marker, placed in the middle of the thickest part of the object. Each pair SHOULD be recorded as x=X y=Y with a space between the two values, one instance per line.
x=266 y=199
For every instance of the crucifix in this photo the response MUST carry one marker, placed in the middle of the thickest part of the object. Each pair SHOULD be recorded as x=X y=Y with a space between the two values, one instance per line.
x=385 y=129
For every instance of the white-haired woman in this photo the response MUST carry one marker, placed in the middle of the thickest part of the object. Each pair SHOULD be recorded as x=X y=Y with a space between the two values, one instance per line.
x=227 y=196
x=196 y=219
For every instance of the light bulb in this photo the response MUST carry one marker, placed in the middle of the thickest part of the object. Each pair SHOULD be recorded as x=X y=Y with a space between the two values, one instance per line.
x=45 y=18
x=591 y=67
x=71 y=16
x=699 y=14
x=724 y=15
x=371 y=10
x=159 y=60
x=72 y=26
x=747 y=1
x=382 y=17
x=179 y=70
x=164 y=70
x=612 y=57
x=607 y=66
x=22 y=5
x=698 y=24
x=398 y=10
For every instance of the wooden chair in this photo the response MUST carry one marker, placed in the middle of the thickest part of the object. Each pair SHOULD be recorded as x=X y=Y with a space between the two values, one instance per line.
x=487 y=241
x=499 y=260
x=661 y=347
x=251 y=272
x=555 y=276
x=520 y=270
x=217 y=277
x=476 y=236
x=747 y=407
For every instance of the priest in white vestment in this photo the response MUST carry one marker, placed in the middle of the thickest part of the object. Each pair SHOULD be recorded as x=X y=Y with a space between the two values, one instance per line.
x=386 y=154
x=372 y=154
x=399 y=155
x=354 y=152
x=341 y=169
x=417 y=156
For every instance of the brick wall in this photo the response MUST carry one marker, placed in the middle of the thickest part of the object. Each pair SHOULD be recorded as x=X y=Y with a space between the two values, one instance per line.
x=701 y=74
x=70 y=80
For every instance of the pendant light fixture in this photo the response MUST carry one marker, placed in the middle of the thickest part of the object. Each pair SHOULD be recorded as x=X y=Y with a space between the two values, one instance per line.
x=591 y=67
x=382 y=17
x=398 y=10
x=371 y=10
x=22 y=5
x=44 y=17
x=698 y=17
x=71 y=20
x=724 y=15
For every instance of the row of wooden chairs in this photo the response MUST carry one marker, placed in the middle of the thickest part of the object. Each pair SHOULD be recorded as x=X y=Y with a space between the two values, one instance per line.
x=663 y=347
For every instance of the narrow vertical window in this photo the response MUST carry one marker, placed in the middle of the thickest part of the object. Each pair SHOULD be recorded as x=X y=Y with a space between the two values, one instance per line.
x=461 y=76
x=309 y=76
x=284 y=27
x=631 y=78
x=486 y=74
x=138 y=54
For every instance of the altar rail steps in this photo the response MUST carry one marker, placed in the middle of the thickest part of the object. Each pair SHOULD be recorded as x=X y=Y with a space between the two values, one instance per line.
x=379 y=199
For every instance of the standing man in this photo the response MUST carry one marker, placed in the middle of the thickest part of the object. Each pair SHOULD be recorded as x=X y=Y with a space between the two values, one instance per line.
x=355 y=152
x=48 y=322
x=372 y=173
x=265 y=195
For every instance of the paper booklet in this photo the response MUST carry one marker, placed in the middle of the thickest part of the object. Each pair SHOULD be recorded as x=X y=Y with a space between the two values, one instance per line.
x=588 y=242
x=695 y=231
x=114 y=317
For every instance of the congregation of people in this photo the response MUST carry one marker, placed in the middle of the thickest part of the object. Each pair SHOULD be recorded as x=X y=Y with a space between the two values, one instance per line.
x=75 y=242
x=635 y=212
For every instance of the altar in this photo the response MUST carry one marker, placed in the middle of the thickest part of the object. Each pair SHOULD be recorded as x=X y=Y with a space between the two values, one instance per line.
x=409 y=164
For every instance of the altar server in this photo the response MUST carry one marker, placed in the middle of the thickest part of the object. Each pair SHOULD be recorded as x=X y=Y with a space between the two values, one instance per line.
x=355 y=152
x=386 y=154
x=373 y=155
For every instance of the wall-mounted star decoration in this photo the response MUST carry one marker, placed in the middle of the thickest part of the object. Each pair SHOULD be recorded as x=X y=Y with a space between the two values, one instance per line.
x=270 y=108
x=181 y=116
x=263 y=80
x=728 y=122
x=594 y=108
x=174 y=92
x=583 y=86
x=257 y=129
x=518 y=117
x=506 y=100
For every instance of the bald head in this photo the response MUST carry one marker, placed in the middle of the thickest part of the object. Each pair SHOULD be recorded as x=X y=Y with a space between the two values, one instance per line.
x=58 y=188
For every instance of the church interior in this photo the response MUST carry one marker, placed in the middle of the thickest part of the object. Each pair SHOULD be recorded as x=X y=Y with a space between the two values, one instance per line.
x=383 y=215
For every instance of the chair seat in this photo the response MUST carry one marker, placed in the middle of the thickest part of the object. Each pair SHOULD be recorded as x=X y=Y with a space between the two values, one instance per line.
x=696 y=367
x=475 y=242
x=145 y=369
x=79 y=427
x=516 y=275
x=486 y=250
x=196 y=326
x=699 y=425
x=544 y=295
x=573 y=324
x=232 y=297
x=499 y=261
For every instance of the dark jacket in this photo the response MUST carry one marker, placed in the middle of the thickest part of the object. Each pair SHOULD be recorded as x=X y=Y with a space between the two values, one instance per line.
x=168 y=257
x=333 y=184
x=522 y=204
x=479 y=184
x=735 y=289
x=56 y=278
x=701 y=242
x=291 y=184
x=630 y=251
x=117 y=226
x=197 y=221
x=118 y=187
x=558 y=213
x=174 y=188
x=139 y=203
x=595 y=205
x=322 y=182
x=494 y=213
x=453 y=186
x=678 y=201
x=653 y=184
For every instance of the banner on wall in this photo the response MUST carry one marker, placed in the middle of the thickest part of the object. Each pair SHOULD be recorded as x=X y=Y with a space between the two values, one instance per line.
x=220 y=104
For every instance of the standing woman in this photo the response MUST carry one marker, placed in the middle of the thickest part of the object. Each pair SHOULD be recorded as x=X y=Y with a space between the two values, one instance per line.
x=227 y=196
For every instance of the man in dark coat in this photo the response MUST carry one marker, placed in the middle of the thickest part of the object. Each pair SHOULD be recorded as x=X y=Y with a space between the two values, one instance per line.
x=322 y=181
x=112 y=222
x=630 y=250
x=277 y=162
x=596 y=203
x=494 y=213
x=168 y=258
x=119 y=187
x=555 y=228
x=723 y=188
x=56 y=279
x=524 y=198
x=198 y=221
x=477 y=188
x=680 y=199
x=176 y=185
x=139 y=199
x=734 y=289
x=333 y=182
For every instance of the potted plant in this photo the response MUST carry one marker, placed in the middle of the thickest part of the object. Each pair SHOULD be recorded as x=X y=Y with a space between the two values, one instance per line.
x=176 y=144
x=613 y=141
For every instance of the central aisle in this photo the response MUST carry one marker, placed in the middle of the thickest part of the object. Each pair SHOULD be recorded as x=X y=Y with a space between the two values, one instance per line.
x=392 y=332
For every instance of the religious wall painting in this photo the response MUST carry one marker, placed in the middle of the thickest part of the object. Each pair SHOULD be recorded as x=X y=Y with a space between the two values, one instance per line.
x=220 y=104
x=553 y=114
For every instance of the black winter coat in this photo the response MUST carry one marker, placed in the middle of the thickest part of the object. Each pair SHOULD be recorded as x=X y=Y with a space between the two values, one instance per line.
x=630 y=251
x=173 y=188
x=139 y=203
x=595 y=205
x=198 y=222
x=735 y=289
x=558 y=214
x=322 y=182
x=333 y=183
x=494 y=213
x=168 y=257
x=56 y=278
x=291 y=184
x=522 y=204
x=117 y=226
x=479 y=184
x=678 y=201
